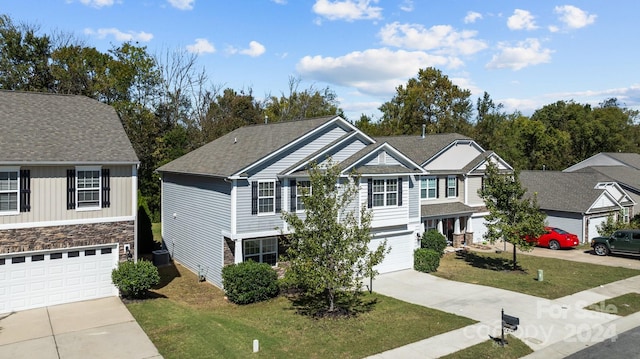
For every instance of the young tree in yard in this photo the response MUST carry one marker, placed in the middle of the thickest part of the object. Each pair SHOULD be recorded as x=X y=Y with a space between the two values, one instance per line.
x=328 y=252
x=512 y=216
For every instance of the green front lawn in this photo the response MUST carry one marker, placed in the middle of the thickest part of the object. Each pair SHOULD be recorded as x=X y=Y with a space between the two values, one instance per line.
x=561 y=277
x=192 y=320
x=622 y=305
x=156 y=229
x=492 y=350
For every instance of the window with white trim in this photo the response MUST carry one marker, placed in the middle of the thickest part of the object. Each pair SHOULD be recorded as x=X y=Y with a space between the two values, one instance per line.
x=266 y=197
x=452 y=186
x=88 y=187
x=428 y=188
x=9 y=191
x=303 y=189
x=385 y=192
x=263 y=250
x=625 y=214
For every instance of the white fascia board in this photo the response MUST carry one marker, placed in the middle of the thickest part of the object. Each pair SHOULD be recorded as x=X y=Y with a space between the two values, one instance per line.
x=390 y=149
x=605 y=194
x=492 y=155
x=292 y=143
x=248 y=235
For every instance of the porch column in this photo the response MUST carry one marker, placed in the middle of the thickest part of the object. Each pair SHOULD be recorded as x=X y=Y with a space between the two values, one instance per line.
x=238 y=251
x=439 y=226
x=468 y=233
x=456 y=226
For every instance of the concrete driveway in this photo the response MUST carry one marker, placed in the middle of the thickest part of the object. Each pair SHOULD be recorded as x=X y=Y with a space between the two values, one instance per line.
x=101 y=328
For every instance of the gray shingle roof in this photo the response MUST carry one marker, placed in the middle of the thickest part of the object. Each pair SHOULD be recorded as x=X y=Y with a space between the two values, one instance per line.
x=419 y=149
x=225 y=156
x=630 y=159
x=441 y=209
x=562 y=191
x=51 y=128
x=627 y=176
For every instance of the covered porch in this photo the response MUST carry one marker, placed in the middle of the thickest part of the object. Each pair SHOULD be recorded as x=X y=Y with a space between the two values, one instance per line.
x=453 y=220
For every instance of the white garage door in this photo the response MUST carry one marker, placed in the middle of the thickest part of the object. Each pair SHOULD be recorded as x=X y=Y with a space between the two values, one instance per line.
x=401 y=255
x=594 y=222
x=37 y=279
x=479 y=229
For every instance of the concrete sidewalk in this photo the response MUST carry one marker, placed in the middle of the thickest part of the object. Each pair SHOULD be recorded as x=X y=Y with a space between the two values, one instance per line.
x=543 y=322
x=101 y=328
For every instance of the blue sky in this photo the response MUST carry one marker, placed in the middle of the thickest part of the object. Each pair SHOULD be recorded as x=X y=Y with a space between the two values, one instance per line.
x=525 y=54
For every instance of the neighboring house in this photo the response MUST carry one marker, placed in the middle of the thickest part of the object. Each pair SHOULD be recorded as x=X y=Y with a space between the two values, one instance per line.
x=623 y=168
x=577 y=202
x=68 y=200
x=221 y=203
x=455 y=166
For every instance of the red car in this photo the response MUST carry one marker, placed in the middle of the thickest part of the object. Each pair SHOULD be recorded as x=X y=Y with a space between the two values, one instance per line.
x=556 y=238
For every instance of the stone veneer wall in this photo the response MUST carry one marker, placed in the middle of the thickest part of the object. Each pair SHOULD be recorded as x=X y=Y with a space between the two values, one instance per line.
x=58 y=237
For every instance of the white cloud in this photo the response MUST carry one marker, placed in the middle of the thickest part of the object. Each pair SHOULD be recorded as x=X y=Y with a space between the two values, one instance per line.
x=407 y=6
x=525 y=53
x=573 y=17
x=348 y=10
x=373 y=71
x=521 y=20
x=280 y=2
x=442 y=39
x=201 y=46
x=182 y=4
x=553 y=28
x=472 y=17
x=255 y=49
x=525 y=106
x=119 y=35
x=97 y=3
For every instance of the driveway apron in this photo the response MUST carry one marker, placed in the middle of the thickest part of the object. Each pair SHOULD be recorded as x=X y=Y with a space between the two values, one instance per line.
x=101 y=328
x=543 y=322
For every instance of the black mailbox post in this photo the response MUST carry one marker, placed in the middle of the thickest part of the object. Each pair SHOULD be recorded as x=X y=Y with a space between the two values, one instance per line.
x=510 y=323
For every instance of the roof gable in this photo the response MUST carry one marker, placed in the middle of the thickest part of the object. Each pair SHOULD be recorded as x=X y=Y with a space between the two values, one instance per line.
x=48 y=128
x=380 y=158
x=422 y=149
x=631 y=160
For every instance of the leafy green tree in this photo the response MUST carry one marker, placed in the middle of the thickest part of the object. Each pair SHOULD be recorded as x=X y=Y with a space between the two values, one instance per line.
x=328 y=252
x=512 y=215
x=229 y=111
x=430 y=99
x=24 y=57
x=298 y=104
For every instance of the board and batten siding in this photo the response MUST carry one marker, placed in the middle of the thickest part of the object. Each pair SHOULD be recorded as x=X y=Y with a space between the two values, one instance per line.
x=49 y=196
x=270 y=169
x=414 y=197
x=195 y=211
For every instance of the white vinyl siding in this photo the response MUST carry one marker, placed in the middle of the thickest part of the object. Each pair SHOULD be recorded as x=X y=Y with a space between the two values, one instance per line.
x=9 y=190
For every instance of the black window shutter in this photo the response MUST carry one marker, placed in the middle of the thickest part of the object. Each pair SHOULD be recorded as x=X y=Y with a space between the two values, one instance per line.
x=25 y=191
x=437 y=187
x=293 y=198
x=369 y=193
x=457 y=186
x=278 y=196
x=399 y=191
x=71 y=189
x=106 y=188
x=254 y=197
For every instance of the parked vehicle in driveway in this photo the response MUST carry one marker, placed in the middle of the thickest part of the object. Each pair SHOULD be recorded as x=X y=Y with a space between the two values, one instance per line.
x=556 y=238
x=625 y=241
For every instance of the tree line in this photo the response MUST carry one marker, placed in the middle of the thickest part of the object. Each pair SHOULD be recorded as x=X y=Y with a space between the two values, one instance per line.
x=168 y=106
